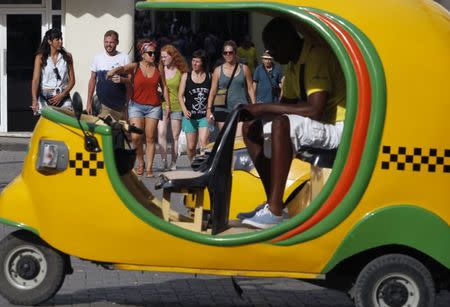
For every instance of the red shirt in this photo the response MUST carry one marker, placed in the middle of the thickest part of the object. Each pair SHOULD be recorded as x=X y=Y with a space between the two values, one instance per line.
x=145 y=90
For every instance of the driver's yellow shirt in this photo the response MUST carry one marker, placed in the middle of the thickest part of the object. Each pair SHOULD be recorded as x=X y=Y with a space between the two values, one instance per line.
x=322 y=73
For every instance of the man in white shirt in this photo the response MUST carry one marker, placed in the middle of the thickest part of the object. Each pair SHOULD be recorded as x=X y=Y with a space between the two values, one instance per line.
x=112 y=93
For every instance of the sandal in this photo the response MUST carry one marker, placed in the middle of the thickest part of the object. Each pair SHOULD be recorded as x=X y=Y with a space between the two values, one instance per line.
x=149 y=174
x=140 y=169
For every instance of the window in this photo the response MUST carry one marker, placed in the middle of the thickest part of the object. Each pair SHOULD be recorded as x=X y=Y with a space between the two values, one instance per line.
x=56 y=21
x=56 y=4
x=16 y=2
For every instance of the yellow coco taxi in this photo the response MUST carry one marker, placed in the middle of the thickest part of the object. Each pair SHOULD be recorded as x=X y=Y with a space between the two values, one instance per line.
x=378 y=229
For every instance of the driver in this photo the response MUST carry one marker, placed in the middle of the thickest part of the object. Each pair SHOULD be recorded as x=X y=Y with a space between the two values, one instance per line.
x=278 y=131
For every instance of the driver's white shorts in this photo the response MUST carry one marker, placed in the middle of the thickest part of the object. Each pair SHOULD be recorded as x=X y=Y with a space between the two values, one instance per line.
x=306 y=132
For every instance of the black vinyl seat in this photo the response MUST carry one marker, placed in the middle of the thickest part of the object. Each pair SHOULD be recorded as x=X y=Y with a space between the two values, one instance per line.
x=214 y=173
x=323 y=158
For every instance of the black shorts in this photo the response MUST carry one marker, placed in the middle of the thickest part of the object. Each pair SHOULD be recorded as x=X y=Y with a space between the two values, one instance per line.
x=220 y=116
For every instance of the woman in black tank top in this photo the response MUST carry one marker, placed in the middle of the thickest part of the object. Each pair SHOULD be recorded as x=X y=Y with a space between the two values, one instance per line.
x=193 y=97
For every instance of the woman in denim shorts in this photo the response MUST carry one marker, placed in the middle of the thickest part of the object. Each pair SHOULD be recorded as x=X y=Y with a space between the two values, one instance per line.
x=144 y=109
x=172 y=66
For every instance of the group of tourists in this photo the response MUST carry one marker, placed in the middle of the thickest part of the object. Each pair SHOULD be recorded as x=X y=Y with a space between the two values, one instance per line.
x=152 y=95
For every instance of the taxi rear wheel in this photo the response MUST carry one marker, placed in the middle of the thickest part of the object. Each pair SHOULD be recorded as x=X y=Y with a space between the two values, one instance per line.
x=394 y=280
x=31 y=272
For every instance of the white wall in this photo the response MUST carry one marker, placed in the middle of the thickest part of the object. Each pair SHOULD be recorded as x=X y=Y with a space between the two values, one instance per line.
x=257 y=24
x=86 y=23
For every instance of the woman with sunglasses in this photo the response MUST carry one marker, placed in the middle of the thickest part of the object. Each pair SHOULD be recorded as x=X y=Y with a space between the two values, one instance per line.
x=240 y=87
x=144 y=108
x=53 y=71
x=173 y=65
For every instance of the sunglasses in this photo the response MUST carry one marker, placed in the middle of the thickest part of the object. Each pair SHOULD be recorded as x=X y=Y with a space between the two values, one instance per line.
x=228 y=52
x=56 y=71
x=150 y=53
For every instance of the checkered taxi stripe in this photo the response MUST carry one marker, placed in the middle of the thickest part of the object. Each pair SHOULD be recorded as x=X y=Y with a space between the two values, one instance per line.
x=416 y=159
x=86 y=164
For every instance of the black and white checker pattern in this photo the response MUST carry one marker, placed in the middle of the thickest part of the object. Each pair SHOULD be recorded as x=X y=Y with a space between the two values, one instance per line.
x=416 y=159
x=90 y=164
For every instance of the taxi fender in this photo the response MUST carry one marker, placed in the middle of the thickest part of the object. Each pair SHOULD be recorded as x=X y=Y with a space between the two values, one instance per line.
x=406 y=225
x=16 y=206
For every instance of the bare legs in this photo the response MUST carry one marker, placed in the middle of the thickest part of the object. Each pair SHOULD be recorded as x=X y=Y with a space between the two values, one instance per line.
x=149 y=125
x=191 y=141
x=274 y=171
x=201 y=136
x=150 y=131
x=176 y=129
x=162 y=137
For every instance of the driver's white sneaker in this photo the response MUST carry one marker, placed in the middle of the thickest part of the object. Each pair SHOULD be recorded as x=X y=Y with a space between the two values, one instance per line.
x=263 y=219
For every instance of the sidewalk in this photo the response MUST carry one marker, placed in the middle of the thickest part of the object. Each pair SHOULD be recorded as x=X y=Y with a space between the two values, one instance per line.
x=12 y=143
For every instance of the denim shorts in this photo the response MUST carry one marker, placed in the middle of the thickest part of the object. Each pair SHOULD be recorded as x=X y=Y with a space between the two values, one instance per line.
x=137 y=110
x=191 y=125
x=174 y=115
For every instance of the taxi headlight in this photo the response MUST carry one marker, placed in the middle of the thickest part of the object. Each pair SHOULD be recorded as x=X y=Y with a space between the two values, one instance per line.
x=52 y=156
x=242 y=160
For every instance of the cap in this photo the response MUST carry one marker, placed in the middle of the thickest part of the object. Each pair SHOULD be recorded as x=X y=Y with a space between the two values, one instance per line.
x=266 y=55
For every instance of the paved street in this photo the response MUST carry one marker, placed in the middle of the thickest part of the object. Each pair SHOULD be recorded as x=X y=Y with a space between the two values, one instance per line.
x=94 y=286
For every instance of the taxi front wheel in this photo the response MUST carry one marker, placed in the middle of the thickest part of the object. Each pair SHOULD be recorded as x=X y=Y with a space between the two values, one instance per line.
x=394 y=280
x=31 y=272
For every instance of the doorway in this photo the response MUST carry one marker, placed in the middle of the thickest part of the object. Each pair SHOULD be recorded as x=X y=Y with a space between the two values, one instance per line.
x=20 y=37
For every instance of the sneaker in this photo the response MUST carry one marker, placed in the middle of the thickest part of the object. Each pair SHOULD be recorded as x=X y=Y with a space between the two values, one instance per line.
x=173 y=166
x=263 y=219
x=246 y=215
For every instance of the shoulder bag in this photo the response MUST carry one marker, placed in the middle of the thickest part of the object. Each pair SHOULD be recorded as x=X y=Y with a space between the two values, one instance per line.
x=222 y=94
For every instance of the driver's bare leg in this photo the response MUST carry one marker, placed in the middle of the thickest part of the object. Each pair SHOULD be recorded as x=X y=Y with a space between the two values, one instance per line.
x=282 y=155
x=254 y=141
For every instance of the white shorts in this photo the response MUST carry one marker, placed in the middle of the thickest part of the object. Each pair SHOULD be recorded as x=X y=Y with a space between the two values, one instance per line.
x=306 y=132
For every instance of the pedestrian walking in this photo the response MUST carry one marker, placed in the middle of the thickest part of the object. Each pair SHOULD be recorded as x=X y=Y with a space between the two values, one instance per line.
x=193 y=96
x=172 y=66
x=112 y=93
x=144 y=109
x=267 y=80
x=53 y=73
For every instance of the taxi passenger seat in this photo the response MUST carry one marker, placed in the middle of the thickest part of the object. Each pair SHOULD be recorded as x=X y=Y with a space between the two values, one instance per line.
x=214 y=173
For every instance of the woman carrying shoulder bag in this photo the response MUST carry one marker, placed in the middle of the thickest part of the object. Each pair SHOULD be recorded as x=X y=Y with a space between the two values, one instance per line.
x=235 y=91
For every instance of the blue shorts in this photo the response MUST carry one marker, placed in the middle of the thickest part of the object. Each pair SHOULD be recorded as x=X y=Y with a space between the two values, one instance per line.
x=137 y=110
x=174 y=115
x=191 y=125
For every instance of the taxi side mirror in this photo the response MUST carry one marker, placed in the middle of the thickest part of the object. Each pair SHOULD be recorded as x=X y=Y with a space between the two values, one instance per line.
x=90 y=142
x=77 y=105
